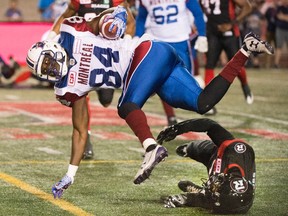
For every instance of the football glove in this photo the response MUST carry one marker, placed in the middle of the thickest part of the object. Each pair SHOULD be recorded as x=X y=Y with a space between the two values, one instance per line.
x=168 y=134
x=120 y=19
x=201 y=44
x=174 y=201
x=62 y=185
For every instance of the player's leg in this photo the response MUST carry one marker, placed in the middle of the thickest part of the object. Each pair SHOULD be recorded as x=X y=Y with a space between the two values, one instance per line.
x=184 y=51
x=280 y=35
x=217 y=88
x=151 y=65
x=231 y=46
x=180 y=89
x=201 y=151
x=88 y=153
x=105 y=96
x=170 y=113
x=212 y=57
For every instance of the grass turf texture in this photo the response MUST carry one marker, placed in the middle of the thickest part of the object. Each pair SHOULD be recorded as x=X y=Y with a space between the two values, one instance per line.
x=104 y=186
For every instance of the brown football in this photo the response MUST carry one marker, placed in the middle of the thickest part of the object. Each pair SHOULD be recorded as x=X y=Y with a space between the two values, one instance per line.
x=104 y=29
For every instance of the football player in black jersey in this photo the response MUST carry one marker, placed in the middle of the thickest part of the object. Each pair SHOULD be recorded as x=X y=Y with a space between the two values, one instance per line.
x=223 y=34
x=230 y=163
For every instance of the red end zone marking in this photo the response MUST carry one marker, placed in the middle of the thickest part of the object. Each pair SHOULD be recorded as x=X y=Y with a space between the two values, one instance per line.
x=18 y=133
x=62 y=115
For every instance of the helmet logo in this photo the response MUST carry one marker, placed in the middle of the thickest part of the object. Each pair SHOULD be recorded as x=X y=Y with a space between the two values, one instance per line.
x=38 y=45
x=239 y=185
x=240 y=147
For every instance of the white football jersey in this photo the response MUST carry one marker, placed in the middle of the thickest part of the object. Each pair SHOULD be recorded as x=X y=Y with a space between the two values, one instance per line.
x=94 y=62
x=167 y=20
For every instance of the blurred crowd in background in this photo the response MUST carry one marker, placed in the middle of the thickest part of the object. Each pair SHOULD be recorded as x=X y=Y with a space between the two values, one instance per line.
x=266 y=19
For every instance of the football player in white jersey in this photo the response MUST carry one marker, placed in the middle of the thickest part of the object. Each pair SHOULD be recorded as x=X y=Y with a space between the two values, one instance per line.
x=84 y=61
x=169 y=21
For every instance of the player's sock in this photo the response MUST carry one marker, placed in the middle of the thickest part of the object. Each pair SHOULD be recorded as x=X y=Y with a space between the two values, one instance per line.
x=233 y=67
x=242 y=76
x=209 y=75
x=170 y=114
x=137 y=121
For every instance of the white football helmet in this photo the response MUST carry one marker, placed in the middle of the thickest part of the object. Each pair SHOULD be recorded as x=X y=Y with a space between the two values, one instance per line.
x=48 y=60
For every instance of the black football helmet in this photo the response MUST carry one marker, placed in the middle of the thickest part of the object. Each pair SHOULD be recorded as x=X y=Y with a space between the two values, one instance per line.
x=229 y=194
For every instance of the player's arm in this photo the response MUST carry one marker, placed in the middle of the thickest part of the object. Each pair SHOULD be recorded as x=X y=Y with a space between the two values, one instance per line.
x=140 y=20
x=216 y=132
x=196 y=10
x=201 y=43
x=116 y=13
x=246 y=9
x=69 y=12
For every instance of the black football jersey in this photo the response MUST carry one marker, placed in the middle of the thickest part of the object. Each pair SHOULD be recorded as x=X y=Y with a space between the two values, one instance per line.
x=219 y=12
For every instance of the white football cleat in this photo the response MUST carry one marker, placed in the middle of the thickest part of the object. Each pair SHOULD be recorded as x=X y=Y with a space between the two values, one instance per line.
x=151 y=159
x=253 y=44
x=247 y=94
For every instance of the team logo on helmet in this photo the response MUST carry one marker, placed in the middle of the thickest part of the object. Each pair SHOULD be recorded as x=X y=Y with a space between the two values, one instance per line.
x=240 y=147
x=38 y=45
x=239 y=185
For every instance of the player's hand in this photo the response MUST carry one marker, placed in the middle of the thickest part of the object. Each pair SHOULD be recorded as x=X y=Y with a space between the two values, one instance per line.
x=60 y=186
x=201 y=44
x=168 y=134
x=174 y=201
x=120 y=19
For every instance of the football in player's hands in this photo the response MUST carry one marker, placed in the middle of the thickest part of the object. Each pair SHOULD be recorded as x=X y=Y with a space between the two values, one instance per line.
x=104 y=25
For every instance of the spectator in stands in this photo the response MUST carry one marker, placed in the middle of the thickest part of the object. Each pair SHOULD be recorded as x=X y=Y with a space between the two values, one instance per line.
x=7 y=70
x=270 y=15
x=281 y=30
x=254 y=22
x=13 y=13
x=58 y=8
x=45 y=8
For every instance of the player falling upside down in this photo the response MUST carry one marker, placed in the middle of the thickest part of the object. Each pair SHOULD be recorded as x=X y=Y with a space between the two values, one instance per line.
x=83 y=61
x=230 y=163
x=88 y=10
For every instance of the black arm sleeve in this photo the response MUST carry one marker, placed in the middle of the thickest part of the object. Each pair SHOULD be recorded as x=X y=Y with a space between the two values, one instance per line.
x=216 y=132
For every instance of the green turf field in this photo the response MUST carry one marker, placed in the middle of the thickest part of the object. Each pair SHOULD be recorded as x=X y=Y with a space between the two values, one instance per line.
x=34 y=155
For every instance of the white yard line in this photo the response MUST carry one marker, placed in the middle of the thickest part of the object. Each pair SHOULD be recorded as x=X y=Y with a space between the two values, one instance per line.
x=37 y=116
x=49 y=151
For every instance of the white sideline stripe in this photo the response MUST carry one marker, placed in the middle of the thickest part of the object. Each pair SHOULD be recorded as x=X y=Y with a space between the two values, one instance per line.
x=40 y=117
x=262 y=118
x=12 y=97
x=49 y=151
